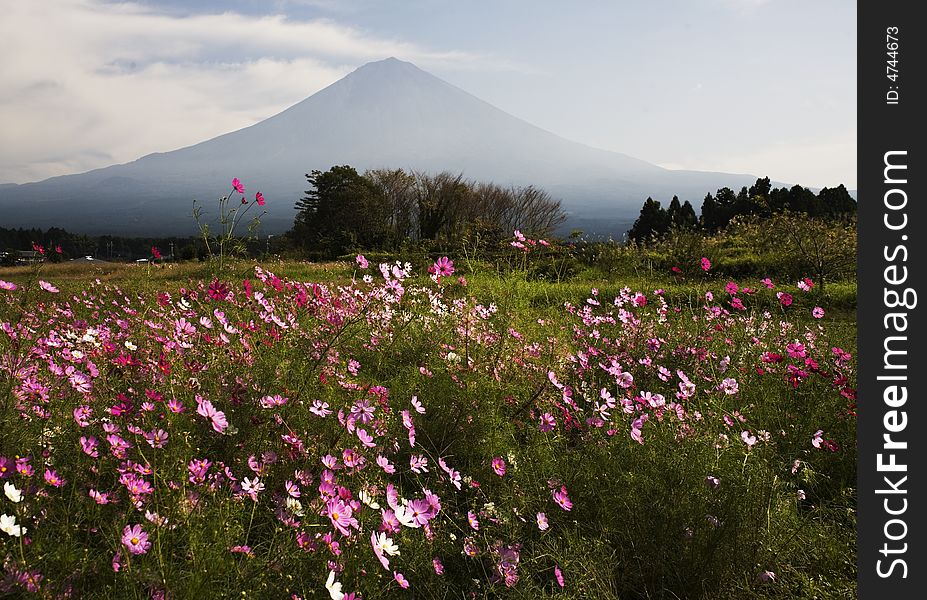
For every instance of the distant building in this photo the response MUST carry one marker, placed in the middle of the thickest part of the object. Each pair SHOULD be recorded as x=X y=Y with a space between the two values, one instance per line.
x=29 y=257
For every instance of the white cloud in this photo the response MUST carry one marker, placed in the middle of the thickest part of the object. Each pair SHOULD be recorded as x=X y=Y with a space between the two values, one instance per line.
x=85 y=84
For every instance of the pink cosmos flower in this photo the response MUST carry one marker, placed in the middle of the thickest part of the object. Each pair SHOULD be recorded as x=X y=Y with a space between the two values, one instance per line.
x=748 y=439
x=818 y=439
x=730 y=386
x=89 y=445
x=238 y=187
x=443 y=267
x=8 y=286
x=558 y=574
x=418 y=463
x=472 y=520
x=542 y=521
x=731 y=288
x=785 y=299
x=438 y=565
x=365 y=438
x=252 y=487
x=156 y=438
x=341 y=515
x=48 y=287
x=361 y=261
x=401 y=580
x=320 y=408
x=217 y=418
x=817 y=312
x=547 y=423
x=706 y=264
x=384 y=464
x=259 y=198
x=52 y=478
x=766 y=577
x=768 y=283
x=155 y=253
x=135 y=539
x=82 y=414
x=562 y=499
x=498 y=466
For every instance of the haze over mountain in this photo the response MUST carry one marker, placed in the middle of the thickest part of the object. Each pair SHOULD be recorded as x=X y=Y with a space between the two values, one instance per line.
x=384 y=114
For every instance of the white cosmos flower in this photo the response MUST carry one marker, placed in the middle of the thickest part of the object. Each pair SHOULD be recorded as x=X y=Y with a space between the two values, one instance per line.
x=334 y=587
x=295 y=506
x=404 y=516
x=8 y=525
x=12 y=493
x=386 y=545
x=368 y=500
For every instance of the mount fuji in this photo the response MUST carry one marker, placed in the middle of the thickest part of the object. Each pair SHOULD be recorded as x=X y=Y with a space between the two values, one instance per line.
x=385 y=114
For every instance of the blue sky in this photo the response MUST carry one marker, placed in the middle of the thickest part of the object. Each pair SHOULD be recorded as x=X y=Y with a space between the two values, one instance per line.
x=766 y=87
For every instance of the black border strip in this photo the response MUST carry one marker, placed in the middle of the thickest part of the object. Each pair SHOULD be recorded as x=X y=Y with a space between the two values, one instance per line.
x=891 y=501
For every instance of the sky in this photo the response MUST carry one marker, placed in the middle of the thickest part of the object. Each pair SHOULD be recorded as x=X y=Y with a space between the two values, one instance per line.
x=765 y=87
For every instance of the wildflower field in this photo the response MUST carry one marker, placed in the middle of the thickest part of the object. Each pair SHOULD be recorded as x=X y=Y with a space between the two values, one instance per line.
x=357 y=430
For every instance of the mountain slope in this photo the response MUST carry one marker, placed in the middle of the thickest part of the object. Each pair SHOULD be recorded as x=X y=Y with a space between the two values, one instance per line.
x=384 y=114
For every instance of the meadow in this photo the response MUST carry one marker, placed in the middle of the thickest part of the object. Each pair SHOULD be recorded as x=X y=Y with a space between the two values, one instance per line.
x=448 y=429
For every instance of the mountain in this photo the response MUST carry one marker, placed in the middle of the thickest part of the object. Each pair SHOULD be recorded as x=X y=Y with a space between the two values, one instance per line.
x=384 y=114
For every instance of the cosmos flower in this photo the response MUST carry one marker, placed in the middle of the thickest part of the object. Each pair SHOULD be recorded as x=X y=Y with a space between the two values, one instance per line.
x=562 y=499
x=8 y=526
x=48 y=287
x=547 y=423
x=14 y=495
x=135 y=539
x=334 y=587
x=542 y=521
x=383 y=546
x=401 y=580
x=498 y=466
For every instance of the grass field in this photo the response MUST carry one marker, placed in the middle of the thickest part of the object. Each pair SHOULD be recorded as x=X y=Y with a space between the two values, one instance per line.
x=297 y=430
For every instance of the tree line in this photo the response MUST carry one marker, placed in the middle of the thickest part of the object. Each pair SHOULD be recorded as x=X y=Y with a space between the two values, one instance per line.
x=760 y=200
x=385 y=208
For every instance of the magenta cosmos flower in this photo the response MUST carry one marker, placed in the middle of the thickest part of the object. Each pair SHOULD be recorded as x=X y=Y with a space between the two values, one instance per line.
x=706 y=264
x=135 y=539
x=562 y=499
x=238 y=187
x=498 y=466
x=443 y=267
x=547 y=423
x=259 y=198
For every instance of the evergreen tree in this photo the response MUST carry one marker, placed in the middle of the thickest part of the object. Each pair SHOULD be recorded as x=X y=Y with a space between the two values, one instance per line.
x=652 y=222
